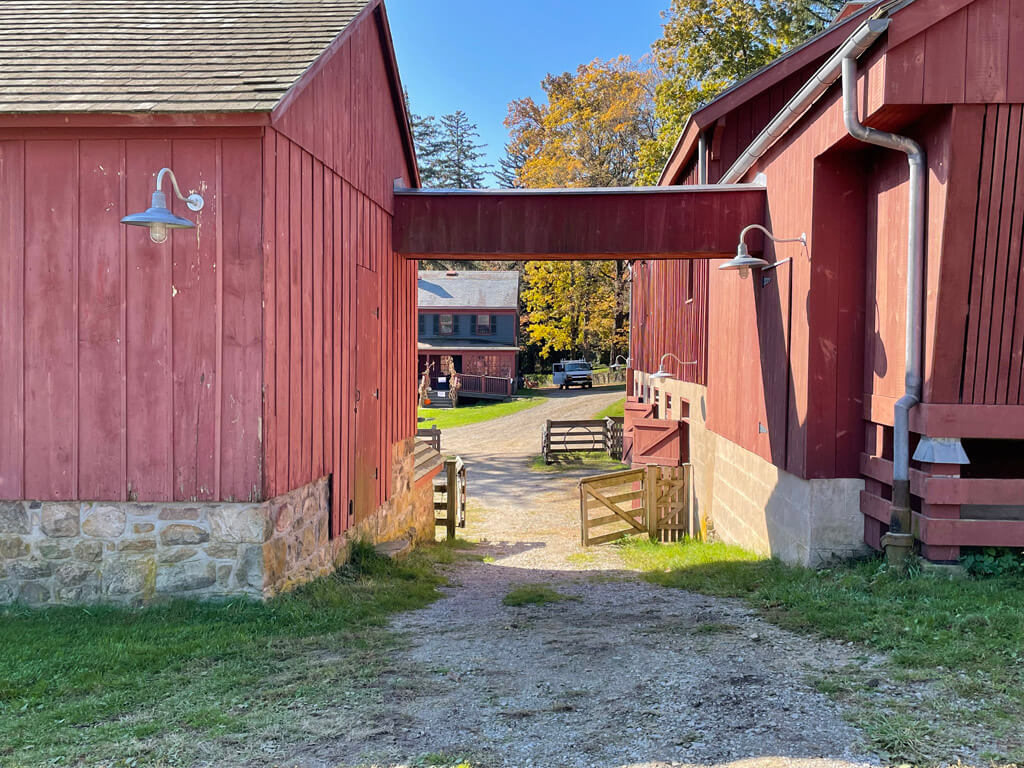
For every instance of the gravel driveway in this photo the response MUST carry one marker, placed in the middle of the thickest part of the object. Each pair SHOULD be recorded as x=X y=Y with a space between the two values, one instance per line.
x=623 y=674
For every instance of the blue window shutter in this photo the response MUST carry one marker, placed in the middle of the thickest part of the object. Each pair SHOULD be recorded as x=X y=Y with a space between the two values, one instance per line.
x=455 y=324
x=494 y=324
x=437 y=325
x=420 y=324
x=472 y=324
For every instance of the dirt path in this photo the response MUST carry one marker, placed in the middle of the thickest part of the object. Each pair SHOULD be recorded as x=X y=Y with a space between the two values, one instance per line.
x=623 y=673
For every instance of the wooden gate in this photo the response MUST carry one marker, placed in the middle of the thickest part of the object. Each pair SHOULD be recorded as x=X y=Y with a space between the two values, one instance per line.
x=652 y=500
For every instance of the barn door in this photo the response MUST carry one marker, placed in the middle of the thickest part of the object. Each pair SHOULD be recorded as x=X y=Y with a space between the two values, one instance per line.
x=660 y=441
x=634 y=410
x=366 y=403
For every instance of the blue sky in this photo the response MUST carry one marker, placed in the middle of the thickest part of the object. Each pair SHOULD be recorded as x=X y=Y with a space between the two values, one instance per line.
x=478 y=55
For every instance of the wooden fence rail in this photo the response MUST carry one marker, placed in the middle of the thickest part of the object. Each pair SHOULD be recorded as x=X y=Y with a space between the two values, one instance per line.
x=577 y=435
x=652 y=500
x=430 y=436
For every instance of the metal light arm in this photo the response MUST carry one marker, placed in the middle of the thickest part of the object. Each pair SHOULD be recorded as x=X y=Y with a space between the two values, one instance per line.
x=194 y=201
x=743 y=244
x=661 y=363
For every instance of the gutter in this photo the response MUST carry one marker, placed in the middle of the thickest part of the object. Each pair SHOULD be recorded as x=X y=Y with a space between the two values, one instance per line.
x=900 y=540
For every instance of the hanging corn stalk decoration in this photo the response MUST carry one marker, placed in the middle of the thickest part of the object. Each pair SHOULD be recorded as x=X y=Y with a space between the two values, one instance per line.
x=454 y=385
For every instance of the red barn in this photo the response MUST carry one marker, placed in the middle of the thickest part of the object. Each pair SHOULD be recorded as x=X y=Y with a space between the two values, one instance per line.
x=792 y=409
x=214 y=413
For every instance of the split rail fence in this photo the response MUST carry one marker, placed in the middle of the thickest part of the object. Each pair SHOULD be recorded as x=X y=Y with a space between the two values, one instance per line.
x=577 y=435
x=650 y=500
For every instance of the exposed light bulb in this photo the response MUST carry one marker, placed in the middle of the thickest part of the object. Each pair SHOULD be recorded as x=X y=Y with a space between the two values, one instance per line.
x=158 y=232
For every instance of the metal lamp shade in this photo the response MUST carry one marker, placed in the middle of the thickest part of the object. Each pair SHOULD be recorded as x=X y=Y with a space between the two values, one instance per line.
x=746 y=261
x=661 y=374
x=158 y=218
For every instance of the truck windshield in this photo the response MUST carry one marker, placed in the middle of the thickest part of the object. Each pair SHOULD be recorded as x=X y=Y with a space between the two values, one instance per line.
x=577 y=366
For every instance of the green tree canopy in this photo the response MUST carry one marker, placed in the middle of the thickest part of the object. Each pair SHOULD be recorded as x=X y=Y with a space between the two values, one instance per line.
x=708 y=45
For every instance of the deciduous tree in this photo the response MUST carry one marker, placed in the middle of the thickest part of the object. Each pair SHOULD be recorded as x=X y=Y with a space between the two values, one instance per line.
x=708 y=45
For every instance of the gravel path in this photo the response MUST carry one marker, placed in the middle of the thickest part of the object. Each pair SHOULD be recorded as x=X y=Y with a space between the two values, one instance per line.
x=622 y=674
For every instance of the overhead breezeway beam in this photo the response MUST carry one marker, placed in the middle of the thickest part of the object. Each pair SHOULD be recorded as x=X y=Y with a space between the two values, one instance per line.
x=542 y=224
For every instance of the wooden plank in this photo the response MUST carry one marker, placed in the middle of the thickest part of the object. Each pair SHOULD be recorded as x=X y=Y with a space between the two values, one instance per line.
x=945 y=70
x=283 y=327
x=596 y=522
x=1015 y=55
x=609 y=537
x=995 y=422
x=50 y=352
x=983 y=491
x=306 y=367
x=904 y=72
x=194 y=312
x=315 y=289
x=12 y=319
x=150 y=465
x=268 y=435
x=100 y=416
x=875 y=507
x=625 y=516
x=970 y=533
x=243 y=275
x=295 y=307
x=987 y=51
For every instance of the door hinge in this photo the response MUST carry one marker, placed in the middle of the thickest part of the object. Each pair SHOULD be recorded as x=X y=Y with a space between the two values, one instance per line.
x=376 y=312
x=375 y=473
x=376 y=393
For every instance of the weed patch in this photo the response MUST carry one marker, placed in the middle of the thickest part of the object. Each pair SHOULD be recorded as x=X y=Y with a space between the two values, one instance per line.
x=595 y=461
x=534 y=594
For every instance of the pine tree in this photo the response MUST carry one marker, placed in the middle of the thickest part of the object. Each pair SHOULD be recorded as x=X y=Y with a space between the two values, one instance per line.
x=510 y=167
x=426 y=136
x=458 y=164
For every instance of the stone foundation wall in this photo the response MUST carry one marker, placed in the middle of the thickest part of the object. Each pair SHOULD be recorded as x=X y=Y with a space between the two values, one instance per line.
x=136 y=553
x=741 y=498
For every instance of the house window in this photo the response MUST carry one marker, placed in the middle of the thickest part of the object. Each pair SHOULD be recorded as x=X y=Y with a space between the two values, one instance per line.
x=422 y=325
x=447 y=325
x=486 y=325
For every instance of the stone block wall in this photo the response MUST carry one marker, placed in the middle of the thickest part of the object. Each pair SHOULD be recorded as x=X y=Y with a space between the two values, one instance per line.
x=741 y=498
x=136 y=553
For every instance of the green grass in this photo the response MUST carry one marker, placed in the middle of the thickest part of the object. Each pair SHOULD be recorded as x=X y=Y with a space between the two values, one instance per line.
x=618 y=408
x=594 y=461
x=465 y=414
x=88 y=686
x=964 y=639
x=534 y=594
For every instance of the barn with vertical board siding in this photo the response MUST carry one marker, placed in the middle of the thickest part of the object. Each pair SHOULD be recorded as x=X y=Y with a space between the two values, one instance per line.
x=790 y=411
x=248 y=383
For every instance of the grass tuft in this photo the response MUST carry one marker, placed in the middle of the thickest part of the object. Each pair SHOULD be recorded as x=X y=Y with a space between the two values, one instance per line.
x=534 y=594
x=594 y=461
x=618 y=408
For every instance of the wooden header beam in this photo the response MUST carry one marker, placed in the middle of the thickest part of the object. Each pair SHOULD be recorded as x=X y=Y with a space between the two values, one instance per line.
x=617 y=223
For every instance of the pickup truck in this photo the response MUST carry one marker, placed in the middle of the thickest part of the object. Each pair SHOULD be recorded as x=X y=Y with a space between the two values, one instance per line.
x=573 y=373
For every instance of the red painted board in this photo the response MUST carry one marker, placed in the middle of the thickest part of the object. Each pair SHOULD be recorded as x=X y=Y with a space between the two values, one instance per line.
x=100 y=349
x=12 y=307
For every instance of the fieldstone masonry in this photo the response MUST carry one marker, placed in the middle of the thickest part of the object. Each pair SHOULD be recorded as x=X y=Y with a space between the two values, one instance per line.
x=135 y=553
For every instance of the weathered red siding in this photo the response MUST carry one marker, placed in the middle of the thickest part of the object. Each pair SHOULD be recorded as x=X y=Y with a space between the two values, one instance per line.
x=128 y=370
x=341 y=307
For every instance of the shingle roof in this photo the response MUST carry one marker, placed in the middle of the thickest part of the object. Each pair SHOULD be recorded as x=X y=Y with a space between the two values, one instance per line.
x=160 y=56
x=487 y=290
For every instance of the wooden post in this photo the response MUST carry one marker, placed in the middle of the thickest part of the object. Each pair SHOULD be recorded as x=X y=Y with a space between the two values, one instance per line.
x=583 y=514
x=453 y=496
x=651 y=474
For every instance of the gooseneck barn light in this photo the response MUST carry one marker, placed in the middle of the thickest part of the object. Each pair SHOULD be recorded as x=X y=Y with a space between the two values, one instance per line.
x=158 y=217
x=744 y=262
x=616 y=365
x=662 y=373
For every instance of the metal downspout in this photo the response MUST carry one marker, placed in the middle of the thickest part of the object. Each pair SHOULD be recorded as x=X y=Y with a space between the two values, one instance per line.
x=702 y=159
x=899 y=541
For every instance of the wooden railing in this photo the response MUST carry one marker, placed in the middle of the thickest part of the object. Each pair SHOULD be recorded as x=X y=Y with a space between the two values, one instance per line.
x=576 y=435
x=430 y=436
x=450 y=496
x=487 y=385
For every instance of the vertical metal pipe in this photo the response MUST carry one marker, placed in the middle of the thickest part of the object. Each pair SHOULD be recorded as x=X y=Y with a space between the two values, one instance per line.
x=900 y=539
x=702 y=159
